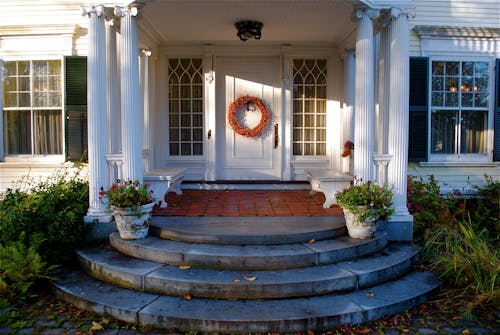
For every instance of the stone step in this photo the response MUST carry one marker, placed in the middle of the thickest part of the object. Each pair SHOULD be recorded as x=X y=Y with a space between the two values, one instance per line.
x=248 y=257
x=283 y=315
x=114 y=267
x=248 y=230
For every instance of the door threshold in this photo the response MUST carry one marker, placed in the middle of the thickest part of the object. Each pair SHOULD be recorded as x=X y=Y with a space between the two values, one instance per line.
x=267 y=185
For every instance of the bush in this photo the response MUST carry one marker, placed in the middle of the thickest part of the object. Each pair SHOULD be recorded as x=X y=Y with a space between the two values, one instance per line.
x=458 y=239
x=20 y=267
x=51 y=213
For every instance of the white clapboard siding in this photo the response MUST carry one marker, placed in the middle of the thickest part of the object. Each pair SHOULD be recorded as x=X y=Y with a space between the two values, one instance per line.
x=456 y=13
x=461 y=178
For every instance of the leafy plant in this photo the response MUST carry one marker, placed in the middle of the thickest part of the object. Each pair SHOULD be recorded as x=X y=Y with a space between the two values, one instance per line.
x=50 y=214
x=367 y=200
x=127 y=193
x=20 y=267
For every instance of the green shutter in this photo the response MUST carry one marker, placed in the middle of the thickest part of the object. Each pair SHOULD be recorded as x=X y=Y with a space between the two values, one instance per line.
x=496 y=142
x=419 y=83
x=75 y=71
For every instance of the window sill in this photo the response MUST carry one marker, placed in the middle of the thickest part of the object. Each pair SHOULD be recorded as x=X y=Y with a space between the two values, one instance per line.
x=459 y=164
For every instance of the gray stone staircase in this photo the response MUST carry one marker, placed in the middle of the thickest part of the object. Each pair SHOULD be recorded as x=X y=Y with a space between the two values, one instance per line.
x=250 y=274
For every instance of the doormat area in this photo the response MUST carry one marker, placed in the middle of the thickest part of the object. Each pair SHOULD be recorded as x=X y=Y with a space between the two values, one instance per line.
x=246 y=203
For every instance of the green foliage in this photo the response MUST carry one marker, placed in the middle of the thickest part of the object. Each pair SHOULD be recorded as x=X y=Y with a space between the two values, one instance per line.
x=458 y=238
x=20 y=267
x=49 y=217
x=124 y=194
x=469 y=263
x=367 y=200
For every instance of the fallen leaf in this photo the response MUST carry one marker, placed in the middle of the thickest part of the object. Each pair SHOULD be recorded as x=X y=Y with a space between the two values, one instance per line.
x=236 y=281
x=309 y=331
x=466 y=331
x=187 y=297
x=406 y=331
x=252 y=278
x=311 y=241
x=96 y=326
x=370 y=294
x=185 y=267
x=363 y=330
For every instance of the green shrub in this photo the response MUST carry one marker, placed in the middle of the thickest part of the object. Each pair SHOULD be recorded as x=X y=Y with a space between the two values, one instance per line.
x=467 y=262
x=487 y=212
x=20 y=268
x=51 y=213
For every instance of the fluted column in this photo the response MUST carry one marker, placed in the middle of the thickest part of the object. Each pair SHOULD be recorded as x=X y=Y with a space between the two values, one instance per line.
x=130 y=95
x=398 y=108
x=348 y=108
x=113 y=98
x=364 y=109
x=1 y=111
x=96 y=113
x=145 y=107
x=383 y=89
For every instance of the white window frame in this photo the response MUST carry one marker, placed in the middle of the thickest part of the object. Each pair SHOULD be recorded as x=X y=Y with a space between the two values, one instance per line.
x=463 y=158
x=33 y=158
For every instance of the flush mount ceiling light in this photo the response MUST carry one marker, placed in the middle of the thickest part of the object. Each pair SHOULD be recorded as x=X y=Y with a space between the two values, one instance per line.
x=248 y=29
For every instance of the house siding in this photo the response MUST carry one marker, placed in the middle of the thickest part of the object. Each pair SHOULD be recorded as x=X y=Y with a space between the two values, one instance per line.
x=456 y=13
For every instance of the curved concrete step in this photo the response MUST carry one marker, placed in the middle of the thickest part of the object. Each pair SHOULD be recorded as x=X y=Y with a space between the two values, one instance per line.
x=283 y=315
x=248 y=230
x=251 y=257
x=113 y=267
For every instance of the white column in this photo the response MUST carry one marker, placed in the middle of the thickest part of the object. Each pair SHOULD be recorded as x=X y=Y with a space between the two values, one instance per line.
x=96 y=114
x=364 y=108
x=348 y=108
x=383 y=90
x=2 y=130
x=398 y=108
x=130 y=95
x=113 y=101
x=145 y=108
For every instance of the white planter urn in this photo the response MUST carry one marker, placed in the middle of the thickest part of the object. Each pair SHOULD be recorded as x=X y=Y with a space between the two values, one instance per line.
x=359 y=229
x=133 y=224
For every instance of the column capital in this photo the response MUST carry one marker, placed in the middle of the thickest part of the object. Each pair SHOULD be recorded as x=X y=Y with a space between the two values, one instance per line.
x=122 y=11
x=395 y=12
x=97 y=10
x=366 y=12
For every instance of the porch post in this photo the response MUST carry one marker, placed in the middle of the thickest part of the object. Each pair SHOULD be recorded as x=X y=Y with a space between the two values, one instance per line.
x=145 y=107
x=349 y=99
x=1 y=110
x=364 y=109
x=97 y=123
x=114 y=119
x=398 y=122
x=130 y=95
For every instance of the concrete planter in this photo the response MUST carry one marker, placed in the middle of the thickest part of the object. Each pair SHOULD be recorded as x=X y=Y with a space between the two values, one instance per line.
x=359 y=229
x=133 y=225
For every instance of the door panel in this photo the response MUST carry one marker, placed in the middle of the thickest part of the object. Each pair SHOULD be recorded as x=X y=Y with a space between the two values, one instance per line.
x=240 y=157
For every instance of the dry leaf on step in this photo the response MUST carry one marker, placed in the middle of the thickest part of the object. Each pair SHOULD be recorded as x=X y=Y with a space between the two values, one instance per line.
x=251 y=278
x=185 y=267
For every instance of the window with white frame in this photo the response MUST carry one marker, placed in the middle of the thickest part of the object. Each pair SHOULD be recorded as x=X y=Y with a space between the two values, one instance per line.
x=460 y=101
x=32 y=107
x=309 y=107
x=185 y=107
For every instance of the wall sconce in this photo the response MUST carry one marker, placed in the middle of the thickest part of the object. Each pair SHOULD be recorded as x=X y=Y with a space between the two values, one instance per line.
x=248 y=29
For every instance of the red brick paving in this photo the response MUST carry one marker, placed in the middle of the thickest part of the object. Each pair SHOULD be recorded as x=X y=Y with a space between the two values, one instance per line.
x=246 y=203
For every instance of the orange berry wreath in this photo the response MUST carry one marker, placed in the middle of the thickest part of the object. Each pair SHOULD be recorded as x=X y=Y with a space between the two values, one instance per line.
x=236 y=125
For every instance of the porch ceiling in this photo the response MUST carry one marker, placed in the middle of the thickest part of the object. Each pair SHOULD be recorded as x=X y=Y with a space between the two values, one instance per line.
x=202 y=21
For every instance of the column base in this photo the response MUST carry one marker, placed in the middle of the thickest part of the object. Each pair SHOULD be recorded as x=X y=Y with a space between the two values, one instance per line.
x=101 y=225
x=398 y=228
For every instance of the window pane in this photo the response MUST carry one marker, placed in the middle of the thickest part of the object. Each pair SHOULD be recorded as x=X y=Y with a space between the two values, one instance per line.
x=47 y=132
x=443 y=132
x=473 y=131
x=452 y=68
x=309 y=106
x=17 y=132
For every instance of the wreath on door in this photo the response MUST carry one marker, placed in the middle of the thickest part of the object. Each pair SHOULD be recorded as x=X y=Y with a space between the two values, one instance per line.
x=237 y=126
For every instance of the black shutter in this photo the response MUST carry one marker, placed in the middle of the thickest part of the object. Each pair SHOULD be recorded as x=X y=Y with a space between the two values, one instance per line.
x=419 y=83
x=496 y=142
x=75 y=71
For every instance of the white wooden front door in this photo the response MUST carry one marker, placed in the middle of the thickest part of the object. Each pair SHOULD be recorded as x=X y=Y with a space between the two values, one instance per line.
x=239 y=157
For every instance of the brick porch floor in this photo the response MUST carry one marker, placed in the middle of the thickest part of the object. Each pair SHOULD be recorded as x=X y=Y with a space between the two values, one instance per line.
x=246 y=203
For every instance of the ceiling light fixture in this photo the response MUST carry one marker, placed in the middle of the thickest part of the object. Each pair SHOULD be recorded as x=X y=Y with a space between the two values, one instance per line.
x=248 y=29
